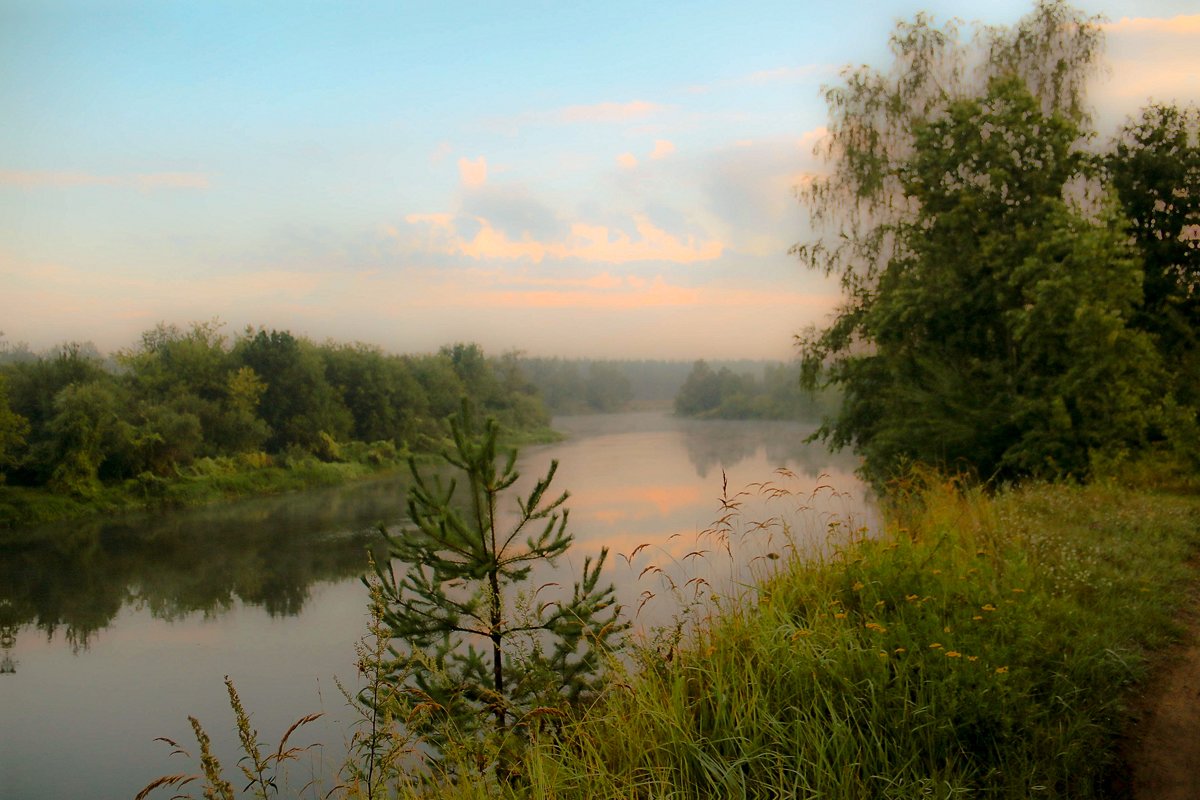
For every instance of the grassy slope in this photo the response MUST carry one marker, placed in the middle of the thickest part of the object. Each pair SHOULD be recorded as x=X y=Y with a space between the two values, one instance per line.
x=980 y=649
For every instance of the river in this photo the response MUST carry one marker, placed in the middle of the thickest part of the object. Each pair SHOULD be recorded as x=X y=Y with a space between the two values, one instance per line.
x=112 y=632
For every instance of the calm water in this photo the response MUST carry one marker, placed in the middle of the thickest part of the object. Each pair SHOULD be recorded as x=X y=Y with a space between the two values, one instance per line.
x=112 y=633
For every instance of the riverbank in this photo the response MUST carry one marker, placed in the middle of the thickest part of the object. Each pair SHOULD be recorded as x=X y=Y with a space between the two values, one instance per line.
x=215 y=480
x=984 y=645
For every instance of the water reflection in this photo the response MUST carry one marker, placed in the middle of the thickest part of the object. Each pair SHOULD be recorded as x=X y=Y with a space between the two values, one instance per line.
x=268 y=552
x=267 y=591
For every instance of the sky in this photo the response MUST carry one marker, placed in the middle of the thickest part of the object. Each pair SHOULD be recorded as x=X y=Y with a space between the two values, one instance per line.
x=604 y=179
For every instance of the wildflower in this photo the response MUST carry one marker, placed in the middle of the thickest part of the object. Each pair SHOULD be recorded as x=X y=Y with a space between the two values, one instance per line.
x=935 y=572
x=953 y=654
x=840 y=615
x=910 y=597
x=977 y=617
x=900 y=650
x=880 y=603
x=801 y=632
x=883 y=654
x=988 y=607
x=1001 y=670
x=1018 y=591
x=858 y=586
x=946 y=629
x=875 y=626
x=972 y=658
x=935 y=646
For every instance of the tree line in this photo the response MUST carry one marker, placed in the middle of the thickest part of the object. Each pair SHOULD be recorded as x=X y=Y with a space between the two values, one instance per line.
x=722 y=393
x=72 y=422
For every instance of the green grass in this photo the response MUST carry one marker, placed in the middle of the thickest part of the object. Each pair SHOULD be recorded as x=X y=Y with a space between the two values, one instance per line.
x=980 y=647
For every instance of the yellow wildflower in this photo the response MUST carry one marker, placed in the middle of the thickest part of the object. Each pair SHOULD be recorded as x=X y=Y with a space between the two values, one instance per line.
x=900 y=650
x=935 y=646
x=1018 y=591
x=935 y=572
x=1001 y=670
x=858 y=586
x=988 y=607
x=840 y=615
x=953 y=654
x=946 y=629
x=801 y=632
x=972 y=658
x=875 y=626
x=977 y=617
x=910 y=597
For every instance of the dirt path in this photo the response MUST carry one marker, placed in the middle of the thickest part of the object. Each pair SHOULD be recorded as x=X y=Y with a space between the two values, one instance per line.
x=1162 y=748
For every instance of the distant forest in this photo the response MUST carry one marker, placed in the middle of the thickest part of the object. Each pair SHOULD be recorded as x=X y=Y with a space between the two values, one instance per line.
x=73 y=421
x=183 y=403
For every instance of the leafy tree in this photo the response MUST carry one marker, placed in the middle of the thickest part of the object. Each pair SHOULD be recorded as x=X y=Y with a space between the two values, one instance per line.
x=986 y=319
x=298 y=403
x=1154 y=166
x=476 y=641
x=607 y=388
x=383 y=397
x=13 y=428
x=86 y=428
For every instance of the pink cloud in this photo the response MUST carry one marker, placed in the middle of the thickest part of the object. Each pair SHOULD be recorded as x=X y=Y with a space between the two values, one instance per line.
x=147 y=181
x=662 y=148
x=1182 y=25
x=593 y=243
x=473 y=172
x=627 y=160
x=1151 y=58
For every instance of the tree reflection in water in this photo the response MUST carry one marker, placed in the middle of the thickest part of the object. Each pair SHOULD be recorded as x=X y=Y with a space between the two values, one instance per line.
x=268 y=552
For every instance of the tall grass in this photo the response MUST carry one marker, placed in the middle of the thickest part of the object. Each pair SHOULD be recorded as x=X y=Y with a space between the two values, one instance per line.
x=980 y=645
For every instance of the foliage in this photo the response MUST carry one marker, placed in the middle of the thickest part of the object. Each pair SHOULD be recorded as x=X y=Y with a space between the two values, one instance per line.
x=722 y=394
x=1154 y=168
x=129 y=434
x=13 y=429
x=476 y=639
x=987 y=316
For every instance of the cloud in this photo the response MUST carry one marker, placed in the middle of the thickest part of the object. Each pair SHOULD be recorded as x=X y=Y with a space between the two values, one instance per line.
x=145 y=181
x=473 y=173
x=1151 y=58
x=590 y=243
x=627 y=160
x=662 y=148
x=1181 y=25
x=750 y=188
x=440 y=152
x=514 y=210
x=609 y=112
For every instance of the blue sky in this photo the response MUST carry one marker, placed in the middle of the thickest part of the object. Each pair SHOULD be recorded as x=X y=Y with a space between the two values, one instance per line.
x=604 y=179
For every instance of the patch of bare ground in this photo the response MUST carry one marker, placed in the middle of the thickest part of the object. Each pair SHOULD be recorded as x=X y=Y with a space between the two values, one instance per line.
x=1161 y=748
